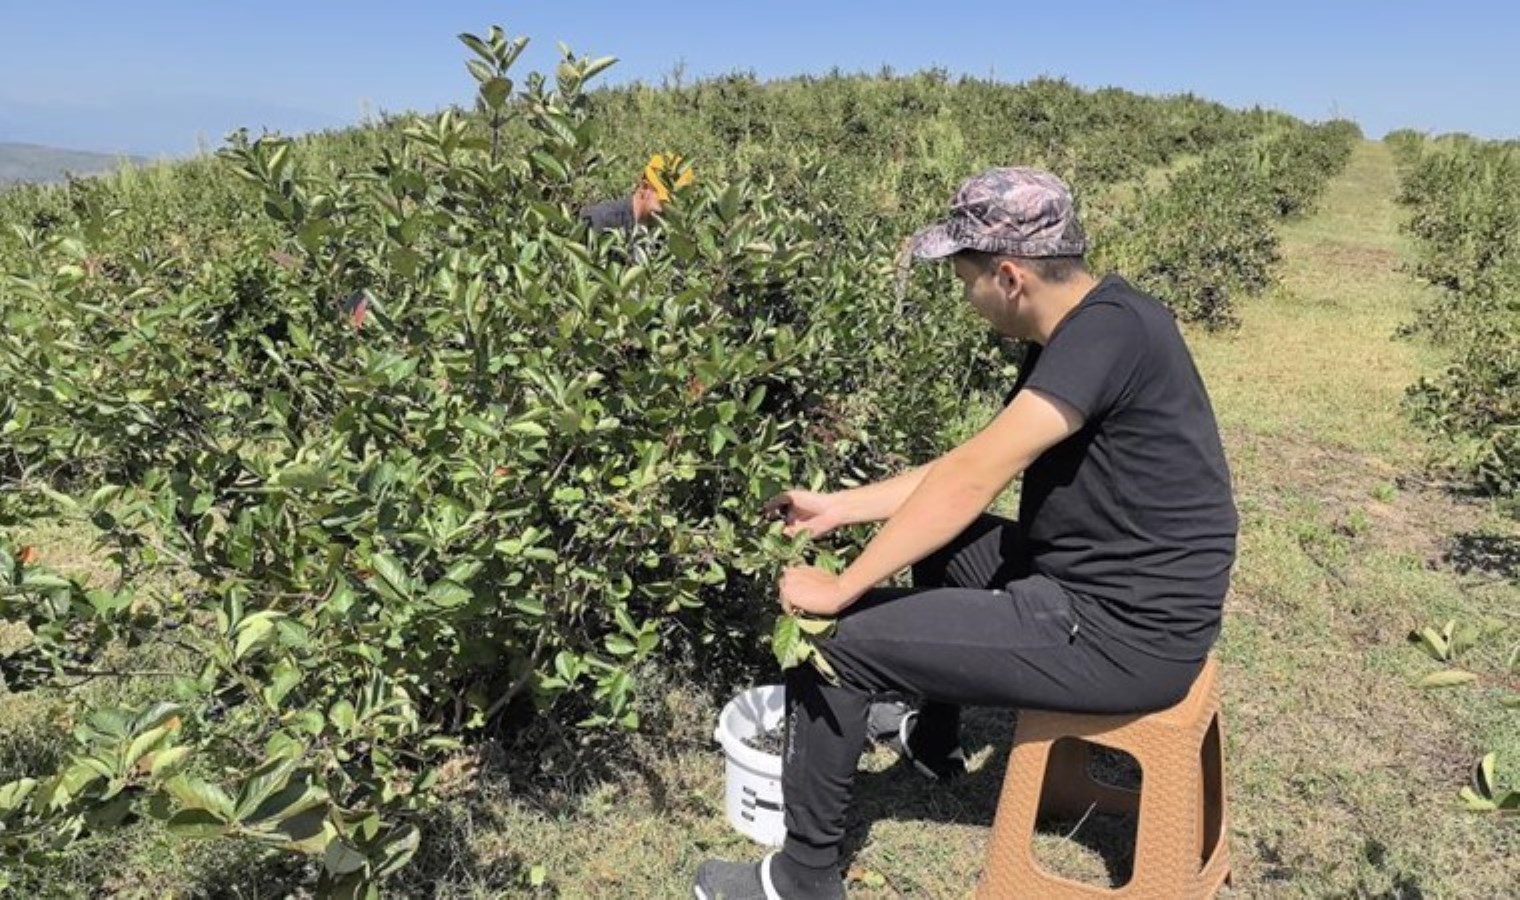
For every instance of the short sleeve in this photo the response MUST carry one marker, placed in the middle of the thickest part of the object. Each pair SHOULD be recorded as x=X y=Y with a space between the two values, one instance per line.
x=609 y=215
x=1091 y=361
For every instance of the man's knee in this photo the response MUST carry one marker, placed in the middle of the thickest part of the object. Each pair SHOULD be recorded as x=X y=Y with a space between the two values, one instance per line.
x=840 y=667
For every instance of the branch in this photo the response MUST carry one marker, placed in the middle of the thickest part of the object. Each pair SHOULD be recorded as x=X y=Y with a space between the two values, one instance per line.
x=92 y=674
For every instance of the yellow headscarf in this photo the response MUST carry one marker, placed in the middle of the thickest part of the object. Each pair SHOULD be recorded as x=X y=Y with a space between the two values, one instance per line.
x=655 y=174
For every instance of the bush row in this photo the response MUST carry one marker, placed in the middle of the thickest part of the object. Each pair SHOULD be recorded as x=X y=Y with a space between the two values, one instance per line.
x=1463 y=198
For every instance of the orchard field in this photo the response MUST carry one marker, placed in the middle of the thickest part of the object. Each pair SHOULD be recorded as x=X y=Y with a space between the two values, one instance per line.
x=367 y=526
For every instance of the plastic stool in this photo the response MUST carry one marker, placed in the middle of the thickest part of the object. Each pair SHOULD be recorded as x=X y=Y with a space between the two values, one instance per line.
x=1182 y=840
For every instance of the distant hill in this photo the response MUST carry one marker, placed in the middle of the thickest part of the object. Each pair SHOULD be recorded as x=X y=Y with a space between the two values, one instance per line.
x=21 y=163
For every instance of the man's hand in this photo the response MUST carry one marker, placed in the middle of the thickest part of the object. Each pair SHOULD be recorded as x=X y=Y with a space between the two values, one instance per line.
x=809 y=511
x=812 y=590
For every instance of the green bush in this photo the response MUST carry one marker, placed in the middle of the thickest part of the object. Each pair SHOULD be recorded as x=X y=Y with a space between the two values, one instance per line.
x=1208 y=235
x=1406 y=144
x=1475 y=404
x=1464 y=202
x=431 y=459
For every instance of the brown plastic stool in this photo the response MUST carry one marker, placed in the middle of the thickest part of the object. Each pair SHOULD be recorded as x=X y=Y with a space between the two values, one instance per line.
x=1182 y=842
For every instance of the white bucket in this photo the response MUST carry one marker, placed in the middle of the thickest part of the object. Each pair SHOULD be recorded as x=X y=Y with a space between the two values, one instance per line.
x=753 y=778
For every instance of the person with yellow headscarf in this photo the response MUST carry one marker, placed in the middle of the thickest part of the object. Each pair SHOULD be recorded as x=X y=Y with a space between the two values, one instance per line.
x=663 y=174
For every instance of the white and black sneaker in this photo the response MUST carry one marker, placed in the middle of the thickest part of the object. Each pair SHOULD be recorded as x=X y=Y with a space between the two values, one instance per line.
x=945 y=766
x=719 y=879
x=884 y=720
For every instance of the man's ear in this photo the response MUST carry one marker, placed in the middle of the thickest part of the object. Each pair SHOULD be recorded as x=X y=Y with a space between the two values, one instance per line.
x=1011 y=275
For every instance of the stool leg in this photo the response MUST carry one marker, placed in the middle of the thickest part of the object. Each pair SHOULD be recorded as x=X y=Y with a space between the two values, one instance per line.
x=1214 y=818
x=1008 y=869
x=1167 y=845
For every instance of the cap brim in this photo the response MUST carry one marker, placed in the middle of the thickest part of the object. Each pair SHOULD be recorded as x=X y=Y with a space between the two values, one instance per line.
x=934 y=242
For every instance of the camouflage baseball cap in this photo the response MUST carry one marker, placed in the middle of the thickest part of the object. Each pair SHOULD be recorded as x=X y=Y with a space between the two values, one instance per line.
x=1015 y=211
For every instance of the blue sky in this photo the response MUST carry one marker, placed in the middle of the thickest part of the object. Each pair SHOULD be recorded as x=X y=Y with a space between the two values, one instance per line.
x=157 y=76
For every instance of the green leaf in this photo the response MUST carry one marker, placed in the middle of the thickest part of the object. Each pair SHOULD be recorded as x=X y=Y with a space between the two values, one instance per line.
x=144 y=743
x=463 y=570
x=448 y=594
x=38 y=580
x=193 y=793
x=342 y=859
x=369 y=827
x=104 y=495
x=393 y=577
x=566 y=666
x=1446 y=678
x=480 y=70
x=816 y=627
x=494 y=92
x=529 y=606
x=825 y=668
x=1483 y=775
x=158 y=714
x=309 y=721
x=342 y=715
x=397 y=849
x=551 y=164
x=269 y=777
x=167 y=762
x=282 y=679
x=479 y=46
x=252 y=630
x=303 y=476
x=1474 y=802
x=619 y=645
x=528 y=429
x=786 y=640
x=597 y=66
x=14 y=793
x=728 y=203
x=1432 y=643
x=1463 y=636
x=96 y=766
x=110 y=814
x=308 y=831
x=196 y=823
x=70 y=783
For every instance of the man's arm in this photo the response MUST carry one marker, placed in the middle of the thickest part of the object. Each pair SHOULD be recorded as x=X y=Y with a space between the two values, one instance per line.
x=881 y=500
x=820 y=514
x=961 y=485
x=954 y=490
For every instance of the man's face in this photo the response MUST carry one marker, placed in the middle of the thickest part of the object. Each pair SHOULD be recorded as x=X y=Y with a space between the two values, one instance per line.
x=646 y=202
x=993 y=292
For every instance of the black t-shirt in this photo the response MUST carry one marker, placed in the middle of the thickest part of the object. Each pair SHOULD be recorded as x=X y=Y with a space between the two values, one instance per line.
x=1134 y=514
x=609 y=215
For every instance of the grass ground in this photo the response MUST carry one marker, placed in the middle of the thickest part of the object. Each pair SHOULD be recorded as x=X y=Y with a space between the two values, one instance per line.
x=1341 y=772
x=1342 y=775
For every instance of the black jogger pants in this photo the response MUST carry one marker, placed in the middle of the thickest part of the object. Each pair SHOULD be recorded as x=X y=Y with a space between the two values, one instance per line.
x=976 y=629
